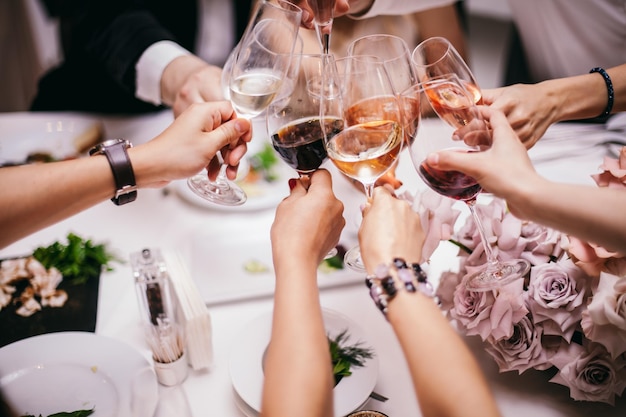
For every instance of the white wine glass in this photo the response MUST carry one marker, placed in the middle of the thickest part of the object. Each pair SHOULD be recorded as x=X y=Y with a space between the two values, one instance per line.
x=454 y=104
x=255 y=72
x=294 y=121
x=435 y=57
x=372 y=137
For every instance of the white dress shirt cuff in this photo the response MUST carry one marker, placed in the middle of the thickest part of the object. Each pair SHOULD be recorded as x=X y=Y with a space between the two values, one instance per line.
x=401 y=7
x=150 y=68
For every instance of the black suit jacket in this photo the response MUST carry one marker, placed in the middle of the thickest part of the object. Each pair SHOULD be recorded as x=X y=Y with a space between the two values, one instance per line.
x=102 y=41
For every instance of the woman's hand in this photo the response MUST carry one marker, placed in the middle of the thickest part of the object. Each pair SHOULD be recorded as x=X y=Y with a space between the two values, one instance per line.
x=390 y=229
x=308 y=222
x=529 y=108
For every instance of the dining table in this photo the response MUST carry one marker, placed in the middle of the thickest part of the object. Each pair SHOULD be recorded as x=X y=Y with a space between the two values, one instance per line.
x=169 y=219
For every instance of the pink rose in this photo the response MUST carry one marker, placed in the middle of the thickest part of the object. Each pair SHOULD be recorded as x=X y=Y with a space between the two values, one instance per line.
x=448 y=281
x=490 y=313
x=593 y=375
x=556 y=297
x=594 y=259
x=604 y=321
x=521 y=351
x=438 y=219
x=542 y=244
x=613 y=173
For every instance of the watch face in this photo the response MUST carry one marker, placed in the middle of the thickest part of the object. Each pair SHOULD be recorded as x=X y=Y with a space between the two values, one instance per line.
x=99 y=148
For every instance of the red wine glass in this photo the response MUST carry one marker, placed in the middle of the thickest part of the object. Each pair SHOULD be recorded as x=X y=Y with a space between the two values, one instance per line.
x=454 y=104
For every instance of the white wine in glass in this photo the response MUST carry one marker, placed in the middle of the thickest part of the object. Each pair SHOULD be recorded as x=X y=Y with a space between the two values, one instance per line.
x=258 y=67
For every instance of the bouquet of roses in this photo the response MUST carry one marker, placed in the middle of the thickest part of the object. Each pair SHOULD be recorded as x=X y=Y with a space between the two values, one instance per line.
x=568 y=314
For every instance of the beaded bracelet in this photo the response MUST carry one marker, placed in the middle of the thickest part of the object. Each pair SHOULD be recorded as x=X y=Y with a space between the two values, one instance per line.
x=383 y=288
x=611 y=93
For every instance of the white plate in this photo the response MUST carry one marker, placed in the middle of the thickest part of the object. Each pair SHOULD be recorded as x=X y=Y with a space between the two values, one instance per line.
x=61 y=135
x=247 y=373
x=69 y=371
x=217 y=262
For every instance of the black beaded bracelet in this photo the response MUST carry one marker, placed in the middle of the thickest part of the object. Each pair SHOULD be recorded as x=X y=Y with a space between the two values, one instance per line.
x=382 y=286
x=611 y=92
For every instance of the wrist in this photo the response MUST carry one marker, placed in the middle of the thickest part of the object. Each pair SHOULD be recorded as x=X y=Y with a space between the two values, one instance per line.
x=389 y=279
x=176 y=73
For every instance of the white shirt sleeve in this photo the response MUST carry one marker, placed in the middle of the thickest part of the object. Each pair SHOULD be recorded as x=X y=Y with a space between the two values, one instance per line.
x=400 y=7
x=150 y=67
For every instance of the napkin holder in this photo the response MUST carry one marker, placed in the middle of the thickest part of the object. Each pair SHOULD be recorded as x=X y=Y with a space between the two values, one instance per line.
x=193 y=314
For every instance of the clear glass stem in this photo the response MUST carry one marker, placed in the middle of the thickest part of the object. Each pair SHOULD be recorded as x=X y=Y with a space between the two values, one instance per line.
x=369 y=191
x=221 y=181
x=492 y=260
x=323 y=34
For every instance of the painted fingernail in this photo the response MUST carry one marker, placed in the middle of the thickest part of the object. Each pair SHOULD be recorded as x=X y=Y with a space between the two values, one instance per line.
x=292 y=183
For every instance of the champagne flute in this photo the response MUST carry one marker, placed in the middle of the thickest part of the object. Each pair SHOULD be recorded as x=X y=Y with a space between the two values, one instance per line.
x=372 y=136
x=435 y=57
x=454 y=104
x=295 y=122
x=323 y=20
x=259 y=66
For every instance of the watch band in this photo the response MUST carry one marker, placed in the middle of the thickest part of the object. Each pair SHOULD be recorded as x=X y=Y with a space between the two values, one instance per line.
x=125 y=185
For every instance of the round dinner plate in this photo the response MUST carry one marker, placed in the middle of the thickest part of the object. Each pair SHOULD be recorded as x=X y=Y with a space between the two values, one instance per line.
x=70 y=371
x=245 y=363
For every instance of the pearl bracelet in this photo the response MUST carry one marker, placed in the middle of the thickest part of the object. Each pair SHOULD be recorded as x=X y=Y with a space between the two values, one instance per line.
x=383 y=288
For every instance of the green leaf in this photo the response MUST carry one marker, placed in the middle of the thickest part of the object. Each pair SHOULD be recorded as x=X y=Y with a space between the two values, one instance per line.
x=343 y=358
x=78 y=261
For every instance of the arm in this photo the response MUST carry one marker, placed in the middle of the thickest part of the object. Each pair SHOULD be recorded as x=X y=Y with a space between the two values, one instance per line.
x=446 y=377
x=506 y=171
x=298 y=371
x=532 y=108
x=442 y=21
x=31 y=193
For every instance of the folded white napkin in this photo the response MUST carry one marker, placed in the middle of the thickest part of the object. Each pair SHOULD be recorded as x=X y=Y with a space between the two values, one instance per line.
x=193 y=314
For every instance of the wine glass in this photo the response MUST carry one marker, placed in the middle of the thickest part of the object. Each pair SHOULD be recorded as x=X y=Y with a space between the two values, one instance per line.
x=454 y=104
x=282 y=10
x=256 y=70
x=294 y=122
x=323 y=20
x=435 y=57
x=396 y=57
x=372 y=136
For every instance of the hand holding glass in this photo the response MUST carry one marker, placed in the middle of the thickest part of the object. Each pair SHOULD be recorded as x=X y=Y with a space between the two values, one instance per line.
x=454 y=104
x=256 y=70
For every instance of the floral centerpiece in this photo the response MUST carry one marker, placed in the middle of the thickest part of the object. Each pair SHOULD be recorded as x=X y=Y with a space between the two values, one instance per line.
x=568 y=314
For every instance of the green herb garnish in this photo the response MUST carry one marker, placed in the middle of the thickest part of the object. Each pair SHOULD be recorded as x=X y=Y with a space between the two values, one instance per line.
x=78 y=261
x=345 y=357
x=263 y=163
x=333 y=263
x=78 y=413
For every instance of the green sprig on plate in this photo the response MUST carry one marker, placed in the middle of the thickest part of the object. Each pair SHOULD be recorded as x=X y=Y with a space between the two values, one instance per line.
x=78 y=261
x=344 y=357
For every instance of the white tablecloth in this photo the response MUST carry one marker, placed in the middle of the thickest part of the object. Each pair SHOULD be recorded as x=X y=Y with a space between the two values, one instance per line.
x=159 y=219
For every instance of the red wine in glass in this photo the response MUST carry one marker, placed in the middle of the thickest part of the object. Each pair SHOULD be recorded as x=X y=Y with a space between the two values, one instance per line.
x=453 y=184
x=301 y=143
